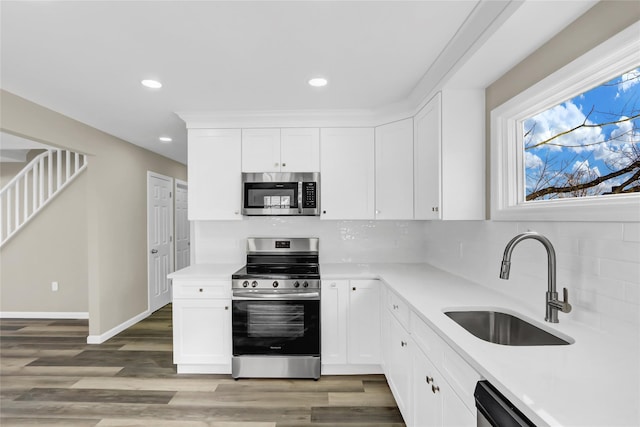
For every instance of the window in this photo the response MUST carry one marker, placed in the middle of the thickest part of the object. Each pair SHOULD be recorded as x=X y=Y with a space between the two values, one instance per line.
x=568 y=148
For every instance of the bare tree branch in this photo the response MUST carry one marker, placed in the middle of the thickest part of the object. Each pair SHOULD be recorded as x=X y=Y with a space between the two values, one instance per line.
x=590 y=184
x=583 y=125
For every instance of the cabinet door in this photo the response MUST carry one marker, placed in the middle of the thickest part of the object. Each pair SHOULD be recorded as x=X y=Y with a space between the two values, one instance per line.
x=428 y=137
x=347 y=173
x=427 y=405
x=454 y=412
x=300 y=150
x=394 y=170
x=214 y=174
x=334 y=307
x=364 y=322
x=260 y=150
x=398 y=366
x=202 y=331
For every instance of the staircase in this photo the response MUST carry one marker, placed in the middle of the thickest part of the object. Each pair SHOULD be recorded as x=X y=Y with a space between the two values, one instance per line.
x=35 y=186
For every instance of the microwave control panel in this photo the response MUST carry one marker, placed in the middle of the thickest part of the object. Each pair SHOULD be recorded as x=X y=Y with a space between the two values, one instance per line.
x=309 y=195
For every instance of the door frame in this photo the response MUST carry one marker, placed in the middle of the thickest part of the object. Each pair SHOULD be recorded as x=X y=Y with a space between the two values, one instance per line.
x=171 y=180
x=175 y=219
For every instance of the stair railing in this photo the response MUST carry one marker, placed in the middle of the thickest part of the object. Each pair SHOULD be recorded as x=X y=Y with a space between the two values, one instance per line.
x=35 y=186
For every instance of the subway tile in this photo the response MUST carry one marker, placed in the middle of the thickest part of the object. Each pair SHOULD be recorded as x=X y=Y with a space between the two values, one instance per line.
x=610 y=249
x=631 y=232
x=620 y=270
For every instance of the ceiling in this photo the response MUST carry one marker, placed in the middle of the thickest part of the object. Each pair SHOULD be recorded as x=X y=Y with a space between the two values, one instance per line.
x=86 y=59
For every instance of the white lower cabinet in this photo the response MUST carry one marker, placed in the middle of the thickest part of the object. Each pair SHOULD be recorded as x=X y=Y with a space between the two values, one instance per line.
x=397 y=364
x=434 y=401
x=202 y=327
x=432 y=385
x=350 y=319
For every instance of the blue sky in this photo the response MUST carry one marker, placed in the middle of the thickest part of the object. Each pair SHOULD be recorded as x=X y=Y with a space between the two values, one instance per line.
x=592 y=150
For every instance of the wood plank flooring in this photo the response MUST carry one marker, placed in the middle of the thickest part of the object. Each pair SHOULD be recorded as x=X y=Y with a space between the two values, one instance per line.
x=50 y=376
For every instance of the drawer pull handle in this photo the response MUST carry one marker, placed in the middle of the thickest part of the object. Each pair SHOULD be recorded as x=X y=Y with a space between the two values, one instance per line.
x=435 y=389
x=200 y=290
x=429 y=380
x=403 y=343
x=226 y=307
x=354 y=288
x=395 y=307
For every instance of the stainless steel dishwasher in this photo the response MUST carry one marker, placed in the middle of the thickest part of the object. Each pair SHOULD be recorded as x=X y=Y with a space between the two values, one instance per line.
x=494 y=410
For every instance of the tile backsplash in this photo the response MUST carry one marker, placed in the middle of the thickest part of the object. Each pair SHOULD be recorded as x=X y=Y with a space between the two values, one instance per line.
x=340 y=241
x=599 y=263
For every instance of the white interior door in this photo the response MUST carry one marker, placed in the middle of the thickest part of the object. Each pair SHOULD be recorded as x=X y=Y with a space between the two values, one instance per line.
x=183 y=237
x=159 y=238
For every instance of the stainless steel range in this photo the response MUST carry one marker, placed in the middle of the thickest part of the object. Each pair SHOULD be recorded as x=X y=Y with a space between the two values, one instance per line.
x=276 y=310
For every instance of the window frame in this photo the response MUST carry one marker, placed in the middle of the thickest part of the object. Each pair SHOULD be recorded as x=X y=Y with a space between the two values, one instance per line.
x=611 y=58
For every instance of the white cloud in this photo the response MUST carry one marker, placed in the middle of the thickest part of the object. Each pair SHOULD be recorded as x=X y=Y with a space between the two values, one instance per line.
x=583 y=166
x=559 y=119
x=629 y=80
x=532 y=161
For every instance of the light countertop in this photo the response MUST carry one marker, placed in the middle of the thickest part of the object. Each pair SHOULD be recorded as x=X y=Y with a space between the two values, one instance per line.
x=593 y=382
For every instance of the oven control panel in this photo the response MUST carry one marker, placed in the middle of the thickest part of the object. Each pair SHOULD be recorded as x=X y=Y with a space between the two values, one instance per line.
x=300 y=284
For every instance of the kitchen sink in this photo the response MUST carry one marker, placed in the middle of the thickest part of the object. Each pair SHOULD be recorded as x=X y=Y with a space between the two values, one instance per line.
x=503 y=328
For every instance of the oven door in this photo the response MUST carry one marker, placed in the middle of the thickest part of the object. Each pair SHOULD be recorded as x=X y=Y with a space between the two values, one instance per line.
x=274 y=327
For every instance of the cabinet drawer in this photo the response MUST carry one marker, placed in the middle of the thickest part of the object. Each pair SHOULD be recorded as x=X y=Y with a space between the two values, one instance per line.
x=461 y=376
x=193 y=289
x=428 y=341
x=399 y=308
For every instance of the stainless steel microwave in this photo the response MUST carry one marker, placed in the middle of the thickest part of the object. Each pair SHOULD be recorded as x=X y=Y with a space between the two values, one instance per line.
x=281 y=193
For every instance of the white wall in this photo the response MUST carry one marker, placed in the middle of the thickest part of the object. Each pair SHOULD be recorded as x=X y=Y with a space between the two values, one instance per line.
x=340 y=241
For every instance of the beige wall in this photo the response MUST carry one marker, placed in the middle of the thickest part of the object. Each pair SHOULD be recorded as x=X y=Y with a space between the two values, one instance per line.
x=598 y=24
x=114 y=205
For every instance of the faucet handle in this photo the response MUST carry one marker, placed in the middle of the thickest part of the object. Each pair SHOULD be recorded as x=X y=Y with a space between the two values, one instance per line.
x=565 y=303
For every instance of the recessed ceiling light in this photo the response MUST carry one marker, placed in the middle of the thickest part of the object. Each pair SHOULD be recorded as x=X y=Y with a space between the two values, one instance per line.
x=318 y=82
x=165 y=139
x=153 y=84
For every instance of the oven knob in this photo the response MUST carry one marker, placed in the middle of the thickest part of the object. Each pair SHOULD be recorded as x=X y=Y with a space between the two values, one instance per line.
x=296 y=284
x=275 y=284
x=305 y=284
x=245 y=284
x=254 y=284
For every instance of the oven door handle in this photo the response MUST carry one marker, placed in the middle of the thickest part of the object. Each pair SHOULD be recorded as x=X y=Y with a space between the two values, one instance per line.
x=240 y=296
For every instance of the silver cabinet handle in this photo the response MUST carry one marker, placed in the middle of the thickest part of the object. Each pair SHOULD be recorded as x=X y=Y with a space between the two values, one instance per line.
x=435 y=389
x=154 y=251
x=429 y=380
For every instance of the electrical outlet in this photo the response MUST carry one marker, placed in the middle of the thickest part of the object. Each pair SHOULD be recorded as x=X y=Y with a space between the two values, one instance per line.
x=54 y=286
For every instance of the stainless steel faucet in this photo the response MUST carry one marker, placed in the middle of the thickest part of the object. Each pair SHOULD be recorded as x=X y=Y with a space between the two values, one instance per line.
x=552 y=303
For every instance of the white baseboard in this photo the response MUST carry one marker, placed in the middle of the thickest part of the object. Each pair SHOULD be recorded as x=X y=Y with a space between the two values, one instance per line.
x=99 y=339
x=44 y=315
x=204 y=369
x=351 y=369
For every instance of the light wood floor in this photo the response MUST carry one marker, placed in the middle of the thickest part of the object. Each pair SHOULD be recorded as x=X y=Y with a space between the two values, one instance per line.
x=50 y=376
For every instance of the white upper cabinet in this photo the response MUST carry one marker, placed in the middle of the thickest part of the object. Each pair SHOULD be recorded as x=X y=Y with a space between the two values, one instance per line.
x=260 y=150
x=449 y=159
x=394 y=170
x=300 y=149
x=347 y=185
x=281 y=150
x=426 y=167
x=214 y=174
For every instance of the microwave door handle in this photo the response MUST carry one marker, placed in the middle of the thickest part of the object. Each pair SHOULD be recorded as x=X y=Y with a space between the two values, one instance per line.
x=299 y=196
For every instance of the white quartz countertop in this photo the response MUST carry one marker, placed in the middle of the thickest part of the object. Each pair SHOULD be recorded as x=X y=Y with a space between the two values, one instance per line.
x=206 y=271
x=593 y=382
